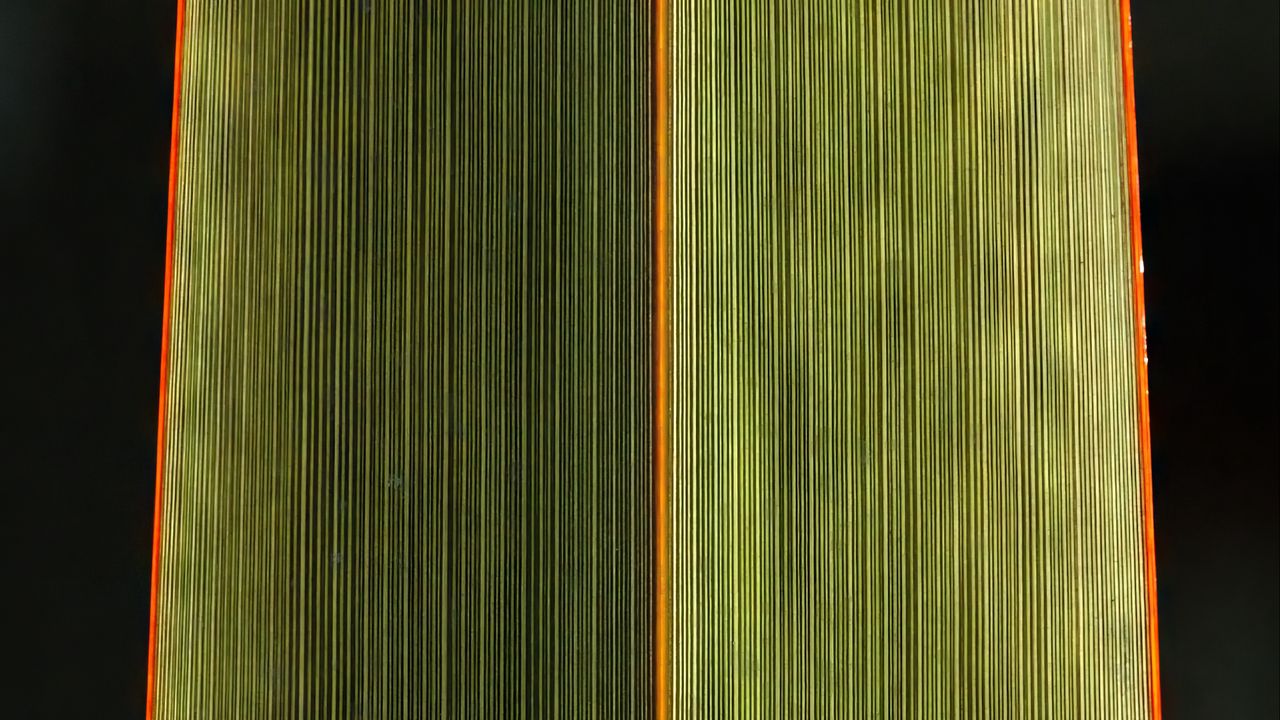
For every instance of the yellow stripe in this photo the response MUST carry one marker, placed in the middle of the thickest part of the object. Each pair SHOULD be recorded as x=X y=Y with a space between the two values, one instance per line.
x=904 y=443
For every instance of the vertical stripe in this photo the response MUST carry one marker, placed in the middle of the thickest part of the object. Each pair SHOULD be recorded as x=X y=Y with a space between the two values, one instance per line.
x=1140 y=354
x=662 y=360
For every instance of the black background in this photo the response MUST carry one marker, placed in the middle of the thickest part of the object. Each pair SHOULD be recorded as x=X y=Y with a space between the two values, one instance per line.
x=85 y=102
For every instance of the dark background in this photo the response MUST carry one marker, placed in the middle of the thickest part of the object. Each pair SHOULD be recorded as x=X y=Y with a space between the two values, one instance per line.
x=85 y=101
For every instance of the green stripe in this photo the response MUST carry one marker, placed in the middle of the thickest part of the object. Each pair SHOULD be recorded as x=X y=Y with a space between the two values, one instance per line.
x=409 y=454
